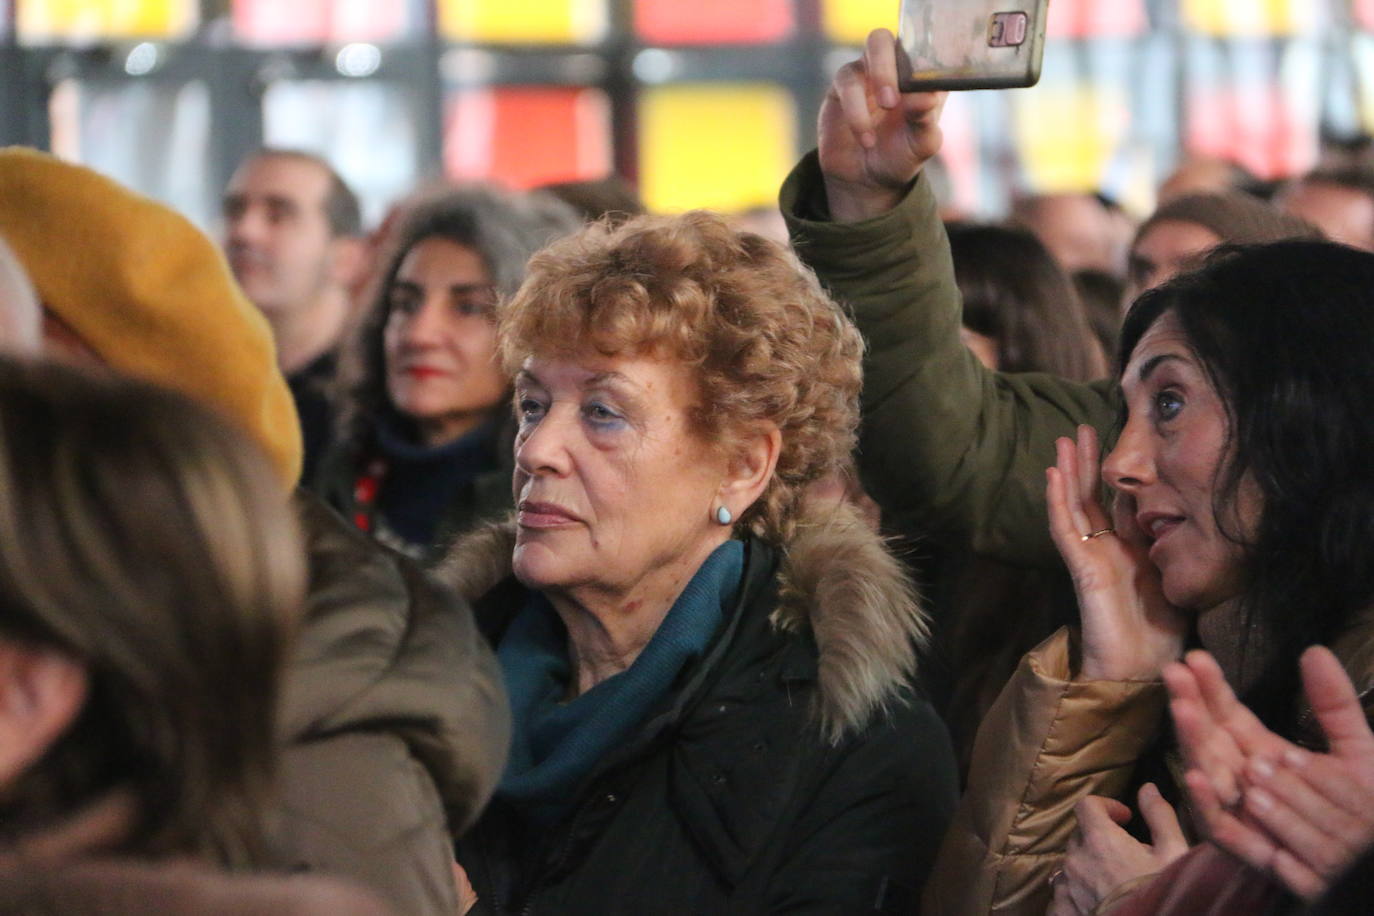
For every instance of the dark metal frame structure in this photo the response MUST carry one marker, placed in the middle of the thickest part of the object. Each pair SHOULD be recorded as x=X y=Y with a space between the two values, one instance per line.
x=427 y=66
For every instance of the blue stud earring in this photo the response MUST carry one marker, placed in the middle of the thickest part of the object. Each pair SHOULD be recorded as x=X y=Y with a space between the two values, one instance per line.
x=723 y=516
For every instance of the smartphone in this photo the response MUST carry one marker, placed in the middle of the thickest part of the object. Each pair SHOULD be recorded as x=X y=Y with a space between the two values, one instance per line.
x=970 y=44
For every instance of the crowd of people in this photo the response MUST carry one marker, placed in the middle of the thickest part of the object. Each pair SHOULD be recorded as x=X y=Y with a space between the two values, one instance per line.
x=534 y=554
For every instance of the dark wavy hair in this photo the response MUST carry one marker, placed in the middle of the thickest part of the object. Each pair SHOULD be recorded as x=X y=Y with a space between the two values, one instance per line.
x=1285 y=334
x=1017 y=294
x=503 y=227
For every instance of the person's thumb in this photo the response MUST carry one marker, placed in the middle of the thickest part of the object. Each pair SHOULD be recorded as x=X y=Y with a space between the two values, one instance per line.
x=1161 y=818
x=1096 y=812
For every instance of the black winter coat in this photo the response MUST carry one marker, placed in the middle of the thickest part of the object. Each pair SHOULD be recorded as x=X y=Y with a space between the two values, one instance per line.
x=730 y=799
x=485 y=497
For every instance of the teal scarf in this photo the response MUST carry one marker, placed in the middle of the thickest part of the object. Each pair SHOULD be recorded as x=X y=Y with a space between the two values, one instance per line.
x=555 y=745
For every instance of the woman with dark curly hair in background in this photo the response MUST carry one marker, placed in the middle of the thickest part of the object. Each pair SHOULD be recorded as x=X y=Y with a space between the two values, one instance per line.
x=424 y=441
x=1021 y=314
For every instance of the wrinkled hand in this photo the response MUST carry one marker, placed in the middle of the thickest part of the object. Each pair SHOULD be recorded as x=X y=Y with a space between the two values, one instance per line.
x=1303 y=816
x=873 y=139
x=1130 y=631
x=1102 y=856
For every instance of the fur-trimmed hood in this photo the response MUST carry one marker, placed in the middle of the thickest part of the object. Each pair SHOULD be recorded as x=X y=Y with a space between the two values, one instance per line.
x=837 y=579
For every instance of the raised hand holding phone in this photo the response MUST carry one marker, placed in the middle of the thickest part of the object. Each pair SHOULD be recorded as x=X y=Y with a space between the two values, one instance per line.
x=873 y=139
x=971 y=44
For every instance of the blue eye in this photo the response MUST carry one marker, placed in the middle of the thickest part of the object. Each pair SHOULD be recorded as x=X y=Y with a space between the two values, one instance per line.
x=1167 y=405
x=528 y=411
x=601 y=415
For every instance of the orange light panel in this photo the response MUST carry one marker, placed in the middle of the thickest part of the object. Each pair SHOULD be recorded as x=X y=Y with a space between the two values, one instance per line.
x=528 y=136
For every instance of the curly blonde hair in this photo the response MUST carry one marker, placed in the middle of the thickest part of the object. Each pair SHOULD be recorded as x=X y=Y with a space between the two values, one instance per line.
x=766 y=343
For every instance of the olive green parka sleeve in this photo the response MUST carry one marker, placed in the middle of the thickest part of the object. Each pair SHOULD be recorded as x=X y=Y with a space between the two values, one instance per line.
x=1047 y=742
x=394 y=721
x=947 y=447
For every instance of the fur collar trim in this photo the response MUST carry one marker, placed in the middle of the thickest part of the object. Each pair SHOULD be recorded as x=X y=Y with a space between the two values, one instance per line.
x=838 y=580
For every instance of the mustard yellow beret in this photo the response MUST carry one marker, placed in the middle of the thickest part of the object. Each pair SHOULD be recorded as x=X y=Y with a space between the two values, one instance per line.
x=148 y=292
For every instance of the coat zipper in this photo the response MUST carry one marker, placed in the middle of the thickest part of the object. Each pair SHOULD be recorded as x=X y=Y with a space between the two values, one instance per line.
x=564 y=850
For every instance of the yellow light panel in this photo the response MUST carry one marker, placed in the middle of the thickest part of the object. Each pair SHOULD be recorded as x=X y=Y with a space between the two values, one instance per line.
x=1066 y=134
x=85 y=20
x=1241 y=18
x=1364 y=69
x=525 y=22
x=720 y=146
x=850 y=21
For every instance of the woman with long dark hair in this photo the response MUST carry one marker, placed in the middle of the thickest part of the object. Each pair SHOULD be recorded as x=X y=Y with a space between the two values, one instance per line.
x=1021 y=314
x=1243 y=515
x=1020 y=305
x=424 y=442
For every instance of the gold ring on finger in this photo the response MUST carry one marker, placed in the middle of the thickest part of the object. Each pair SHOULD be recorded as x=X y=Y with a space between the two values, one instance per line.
x=1097 y=534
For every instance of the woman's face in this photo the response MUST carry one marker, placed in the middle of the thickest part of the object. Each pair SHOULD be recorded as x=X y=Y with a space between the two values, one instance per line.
x=1166 y=463
x=440 y=340
x=615 y=491
x=1166 y=249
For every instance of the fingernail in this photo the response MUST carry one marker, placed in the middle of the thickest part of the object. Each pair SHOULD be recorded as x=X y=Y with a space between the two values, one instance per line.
x=1258 y=799
x=887 y=97
x=868 y=139
x=1296 y=757
x=1261 y=768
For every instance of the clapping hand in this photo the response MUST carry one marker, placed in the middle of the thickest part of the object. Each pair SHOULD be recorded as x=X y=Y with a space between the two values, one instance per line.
x=1303 y=816
x=1102 y=855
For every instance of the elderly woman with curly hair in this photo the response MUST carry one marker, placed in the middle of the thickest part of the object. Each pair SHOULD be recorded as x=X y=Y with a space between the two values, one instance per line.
x=710 y=673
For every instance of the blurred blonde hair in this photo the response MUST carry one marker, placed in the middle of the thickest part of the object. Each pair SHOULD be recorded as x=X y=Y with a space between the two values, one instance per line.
x=152 y=543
